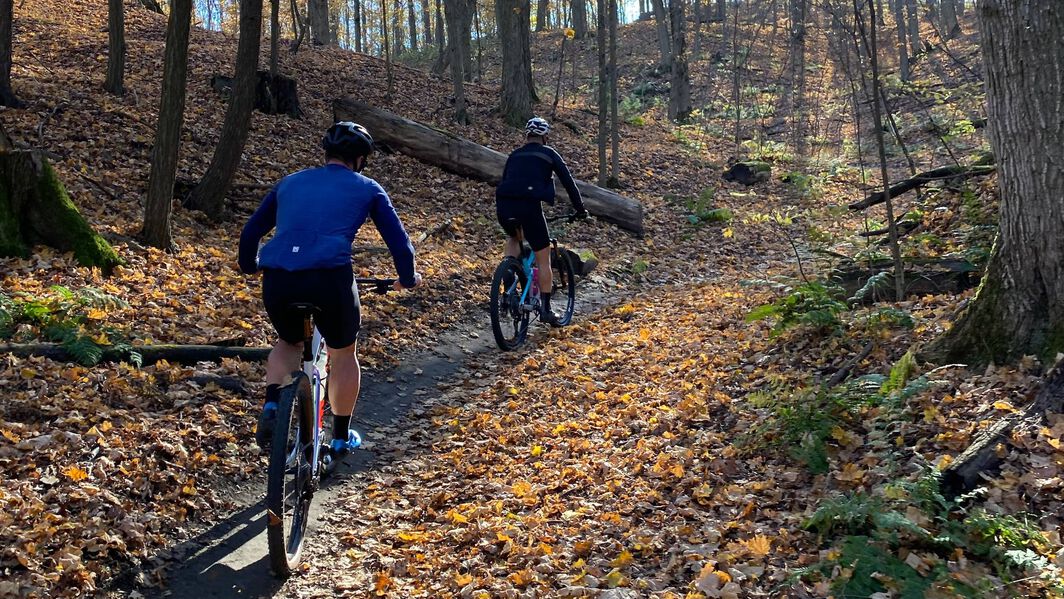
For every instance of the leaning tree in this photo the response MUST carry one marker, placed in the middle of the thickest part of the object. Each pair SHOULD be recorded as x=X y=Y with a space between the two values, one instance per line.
x=1018 y=309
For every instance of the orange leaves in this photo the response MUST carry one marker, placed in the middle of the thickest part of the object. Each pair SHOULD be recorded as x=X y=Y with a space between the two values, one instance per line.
x=75 y=474
x=758 y=545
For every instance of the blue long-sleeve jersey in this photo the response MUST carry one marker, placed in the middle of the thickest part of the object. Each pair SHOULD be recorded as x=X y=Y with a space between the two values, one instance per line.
x=528 y=175
x=317 y=213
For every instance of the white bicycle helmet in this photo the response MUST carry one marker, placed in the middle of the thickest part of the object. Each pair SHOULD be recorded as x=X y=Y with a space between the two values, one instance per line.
x=537 y=126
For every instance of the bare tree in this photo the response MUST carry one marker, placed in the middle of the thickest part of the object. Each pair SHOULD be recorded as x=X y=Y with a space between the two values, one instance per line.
x=518 y=92
x=579 y=10
x=159 y=202
x=116 y=47
x=799 y=15
x=615 y=132
x=426 y=21
x=1017 y=310
x=603 y=89
x=411 y=23
x=209 y=194
x=7 y=17
x=679 y=81
x=662 y=20
x=459 y=17
x=903 y=49
x=318 y=16
x=542 y=8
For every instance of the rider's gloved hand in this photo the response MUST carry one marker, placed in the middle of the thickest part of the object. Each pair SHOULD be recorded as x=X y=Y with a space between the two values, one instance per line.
x=417 y=282
x=581 y=215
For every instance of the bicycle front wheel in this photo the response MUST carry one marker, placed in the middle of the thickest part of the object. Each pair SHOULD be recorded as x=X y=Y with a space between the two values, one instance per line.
x=509 y=319
x=563 y=295
x=289 y=478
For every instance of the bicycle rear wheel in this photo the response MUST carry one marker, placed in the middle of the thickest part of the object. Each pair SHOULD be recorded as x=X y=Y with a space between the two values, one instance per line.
x=509 y=320
x=289 y=478
x=563 y=295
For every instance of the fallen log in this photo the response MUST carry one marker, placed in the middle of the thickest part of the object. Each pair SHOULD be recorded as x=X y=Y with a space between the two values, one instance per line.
x=150 y=354
x=986 y=454
x=469 y=159
x=749 y=172
x=955 y=172
x=922 y=277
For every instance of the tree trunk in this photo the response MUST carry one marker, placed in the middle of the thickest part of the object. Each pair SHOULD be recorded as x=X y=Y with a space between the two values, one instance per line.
x=357 y=6
x=615 y=132
x=799 y=12
x=299 y=25
x=679 y=82
x=1017 y=310
x=35 y=208
x=426 y=22
x=397 y=29
x=318 y=16
x=411 y=23
x=441 y=37
x=663 y=32
x=275 y=48
x=209 y=195
x=542 y=6
x=7 y=17
x=387 y=50
x=720 y=10
x=164 y=151
x=468 y=159
x=696 y=34
x=601 y=29
x=948 y=24
x=914 y=27
x=116 y=47
x=903 y=48
x=458 y=17
x=517 y=91
x=579 y=10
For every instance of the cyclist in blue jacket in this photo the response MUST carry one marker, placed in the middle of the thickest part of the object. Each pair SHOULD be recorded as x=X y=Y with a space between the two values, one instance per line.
x=527 y=180
x=317 y=213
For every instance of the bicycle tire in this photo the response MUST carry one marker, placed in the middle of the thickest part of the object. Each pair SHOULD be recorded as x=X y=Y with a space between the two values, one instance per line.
x=505 y=308
x=564 y=291
x=289 y=476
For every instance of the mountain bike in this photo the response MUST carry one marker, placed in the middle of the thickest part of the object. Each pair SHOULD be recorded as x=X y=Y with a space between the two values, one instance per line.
x=515 y=291
x=299 y=455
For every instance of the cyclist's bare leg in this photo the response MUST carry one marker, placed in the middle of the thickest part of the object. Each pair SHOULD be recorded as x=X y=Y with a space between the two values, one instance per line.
x=345 y=378
x=283 y=360
x=512 y=247
x=545 y=278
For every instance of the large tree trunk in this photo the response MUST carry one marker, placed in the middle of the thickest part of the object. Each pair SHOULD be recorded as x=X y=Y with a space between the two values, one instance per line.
x=615 y=132
x=799 y=12
x=441 y=36
x=662 y=20
x=35 y=208
x=411 y=23
x=696 y=34
x=680 y=81
x=517 y=90
x=164 y=151
x=7 y=17
x=116 y=47
x=463 y=157
x=601 y=29
x=949 y=27
x=426 y=22
x=397 y=29
x=1018 y=309
x=903 y=49
x=209 y=195
x=459 y=19
x=357 y=6
x=914 y=27
x=318 y=18
x=275 y=47
x=579 y=10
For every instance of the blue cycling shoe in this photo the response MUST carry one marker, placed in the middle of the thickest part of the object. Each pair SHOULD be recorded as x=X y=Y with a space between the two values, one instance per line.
x=267 y=422
x=339 y=449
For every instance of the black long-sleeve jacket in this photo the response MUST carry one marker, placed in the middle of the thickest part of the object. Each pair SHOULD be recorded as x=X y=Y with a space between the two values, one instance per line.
x=528 y=175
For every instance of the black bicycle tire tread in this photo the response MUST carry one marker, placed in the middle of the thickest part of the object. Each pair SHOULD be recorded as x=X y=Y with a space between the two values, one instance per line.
x=570 y=277
x=496 y=324
x=277 y=538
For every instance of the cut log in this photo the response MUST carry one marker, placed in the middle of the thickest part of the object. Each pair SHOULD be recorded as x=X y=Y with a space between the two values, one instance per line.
x=749 y=172
x=35 y=208
x=981 y=168
x=922 y=277
x=150 y=354
x=986 y=454
x=469 y=159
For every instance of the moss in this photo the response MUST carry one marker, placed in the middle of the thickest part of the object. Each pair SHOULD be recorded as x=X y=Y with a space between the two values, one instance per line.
x=11 y=242
x=89 y=248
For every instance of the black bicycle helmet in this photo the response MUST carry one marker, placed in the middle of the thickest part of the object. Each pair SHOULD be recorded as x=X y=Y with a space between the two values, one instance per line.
x=348 y=141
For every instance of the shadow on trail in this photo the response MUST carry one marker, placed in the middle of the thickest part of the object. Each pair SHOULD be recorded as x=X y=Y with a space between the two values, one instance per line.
x=230 y=559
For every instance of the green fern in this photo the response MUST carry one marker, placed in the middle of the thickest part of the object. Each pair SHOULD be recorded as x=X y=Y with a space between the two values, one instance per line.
x=900 y=373
x=84 y=350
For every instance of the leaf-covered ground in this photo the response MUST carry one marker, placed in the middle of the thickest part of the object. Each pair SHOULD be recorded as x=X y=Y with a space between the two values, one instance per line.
x=663 y=446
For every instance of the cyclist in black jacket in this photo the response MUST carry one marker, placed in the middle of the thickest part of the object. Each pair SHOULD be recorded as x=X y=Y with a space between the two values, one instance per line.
x=528 y=180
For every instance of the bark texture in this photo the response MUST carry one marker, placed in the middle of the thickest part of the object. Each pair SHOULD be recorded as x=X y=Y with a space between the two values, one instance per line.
x=603 y=89
x=518 y=92
x=411 y=23
x=116 y=47
x=579 y=10
x=35 y=208
x=680 y=80
x=1018 y=309
x=164 y=152
x=7 y=17
x=318 y=17
x=542 y=8
x=209 y=195
x=459 y=16
x=661 y=18
x=469 y=159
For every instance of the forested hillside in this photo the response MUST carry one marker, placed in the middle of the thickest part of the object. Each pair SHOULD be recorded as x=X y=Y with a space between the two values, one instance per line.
x=814 y=355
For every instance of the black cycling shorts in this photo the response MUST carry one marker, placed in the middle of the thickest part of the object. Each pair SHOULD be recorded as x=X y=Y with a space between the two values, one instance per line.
x=332 y=290
x=526 y=214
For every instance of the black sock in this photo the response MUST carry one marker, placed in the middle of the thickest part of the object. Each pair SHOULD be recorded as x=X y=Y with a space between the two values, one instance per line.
x=273 y=394
x=545 y=297
x=340 y=426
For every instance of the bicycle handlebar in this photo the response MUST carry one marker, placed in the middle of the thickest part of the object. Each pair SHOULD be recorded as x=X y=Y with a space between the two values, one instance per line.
x=380 y=286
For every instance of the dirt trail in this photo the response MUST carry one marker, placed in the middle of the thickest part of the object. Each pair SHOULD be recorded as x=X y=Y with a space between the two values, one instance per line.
x=230 y=559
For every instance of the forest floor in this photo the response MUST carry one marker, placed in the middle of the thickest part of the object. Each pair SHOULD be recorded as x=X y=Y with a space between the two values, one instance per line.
x=663 y=445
